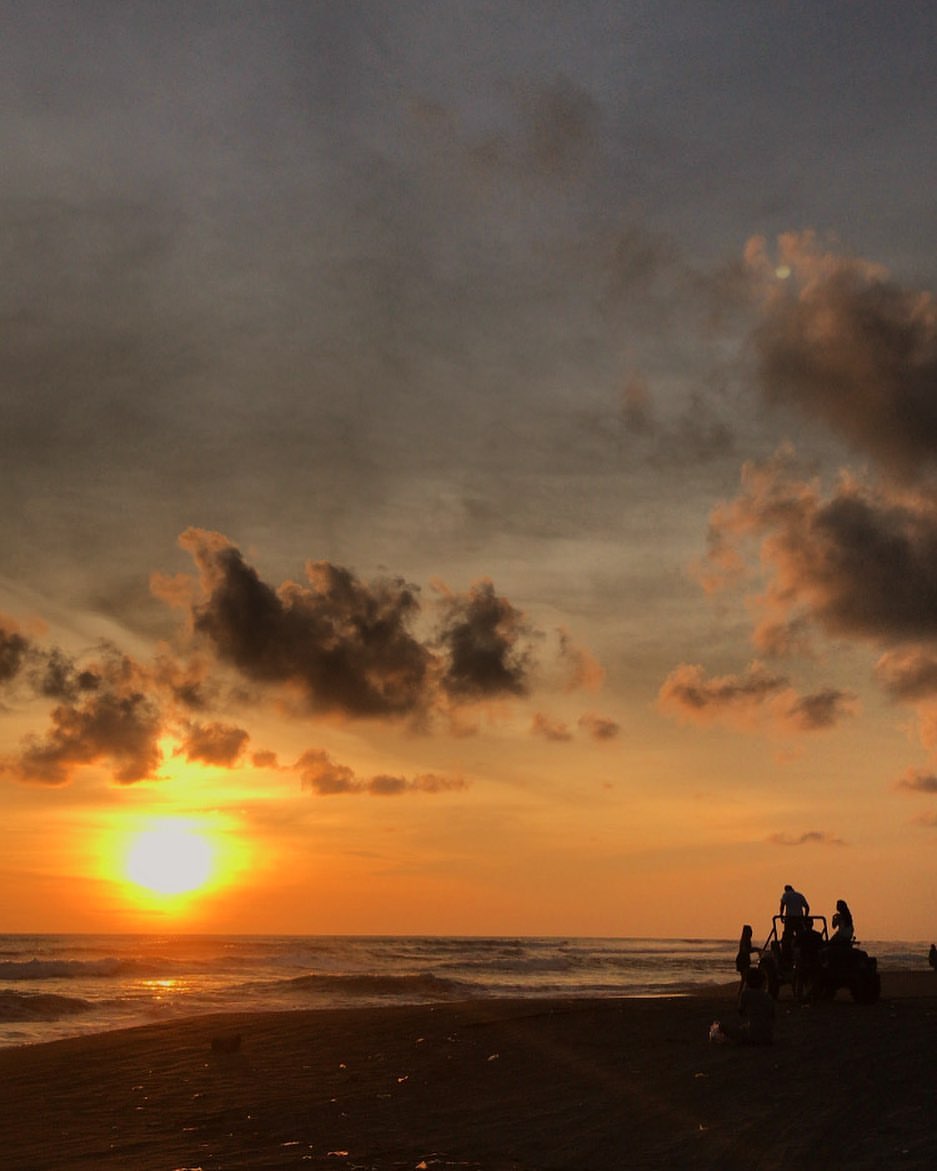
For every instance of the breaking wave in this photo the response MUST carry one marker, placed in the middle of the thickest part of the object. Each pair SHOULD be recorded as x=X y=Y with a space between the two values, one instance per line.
x=39 y=1006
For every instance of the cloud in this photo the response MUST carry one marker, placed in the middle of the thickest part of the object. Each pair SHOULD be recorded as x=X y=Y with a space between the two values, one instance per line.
x=909 y=673
x=584 y=670
x=915 y=781
x=860 y=561
x=599 y=727
x=758 y=699
x=116 y=723
x=348 y=647
x=213 y=743
x=324 y=777
x=810 y=838
x=841 y=341
x=688 y=694
x=345 y=646
x=483 y=637
x=550 y=729
x=13 y=649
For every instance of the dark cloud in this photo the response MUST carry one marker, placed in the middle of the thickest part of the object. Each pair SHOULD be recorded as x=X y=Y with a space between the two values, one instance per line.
x=915 y=781
x=843 y=342
x=756 y=700
x=346 y=646
x=213 y=743
x=810 y=838
x=599 y=727
x=688 y=693
x=119 y=727
x=909 y=673
x=823 y=709
x=13 y=650
x=55 y=675
x=321 y=775
x=483 y=638
x=860 y=562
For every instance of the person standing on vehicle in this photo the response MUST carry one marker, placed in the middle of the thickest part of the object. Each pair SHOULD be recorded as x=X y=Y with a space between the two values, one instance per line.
x=794 y=909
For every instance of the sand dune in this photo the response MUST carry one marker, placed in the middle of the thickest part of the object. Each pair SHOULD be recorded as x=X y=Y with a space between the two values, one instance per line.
x=501 y=1085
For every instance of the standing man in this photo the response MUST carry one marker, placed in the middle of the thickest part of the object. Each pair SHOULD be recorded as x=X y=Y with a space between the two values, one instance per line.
x=794 y=910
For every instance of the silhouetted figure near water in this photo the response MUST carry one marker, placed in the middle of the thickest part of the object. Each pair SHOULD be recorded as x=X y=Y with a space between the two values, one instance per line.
x=932 y=957
x=756 y=1008
x=743 y=961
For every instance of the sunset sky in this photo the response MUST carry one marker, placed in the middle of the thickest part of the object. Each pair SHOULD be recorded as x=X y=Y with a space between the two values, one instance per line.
x=473 y=465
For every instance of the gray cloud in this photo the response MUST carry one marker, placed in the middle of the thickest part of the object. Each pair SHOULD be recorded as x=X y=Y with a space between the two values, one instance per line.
x=861 y=561
x=758 y=699
x=119 y=726
x=347 y=646
x=909 y=673
x=214 y=743
x=483 y=637
x=915 y=781
x=13 y=650
x=843 y=342
x=599 y=727
x=810 y=838
x=324 y=777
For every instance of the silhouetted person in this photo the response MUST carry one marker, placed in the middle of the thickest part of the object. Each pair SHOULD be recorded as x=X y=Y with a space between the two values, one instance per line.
x=845 y=931
x=743 y=960
x=794 y=908
x=932 y=957
x=756 y=1008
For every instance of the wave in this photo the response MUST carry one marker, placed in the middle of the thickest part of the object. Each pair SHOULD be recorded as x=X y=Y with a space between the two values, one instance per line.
x=365 y=984
x=39 y=1006
x=62 y=969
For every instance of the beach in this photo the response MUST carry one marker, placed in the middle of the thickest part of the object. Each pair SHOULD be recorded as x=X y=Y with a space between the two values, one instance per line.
x=505 y=1084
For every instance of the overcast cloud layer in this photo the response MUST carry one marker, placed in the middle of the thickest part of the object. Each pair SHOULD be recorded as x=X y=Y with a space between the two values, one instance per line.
x=564 y=374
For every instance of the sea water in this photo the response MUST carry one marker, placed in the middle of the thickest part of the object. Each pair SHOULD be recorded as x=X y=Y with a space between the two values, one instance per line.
x=55 y=986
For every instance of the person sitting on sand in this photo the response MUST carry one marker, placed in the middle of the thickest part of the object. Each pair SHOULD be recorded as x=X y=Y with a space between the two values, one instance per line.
x=842 y=921
x=743 y=961
x=756 y=1008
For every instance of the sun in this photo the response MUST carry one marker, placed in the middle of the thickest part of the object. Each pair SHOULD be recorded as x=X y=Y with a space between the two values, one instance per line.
x=169 y=857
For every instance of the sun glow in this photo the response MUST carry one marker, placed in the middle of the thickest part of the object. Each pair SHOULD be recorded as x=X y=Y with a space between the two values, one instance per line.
x=170 y=857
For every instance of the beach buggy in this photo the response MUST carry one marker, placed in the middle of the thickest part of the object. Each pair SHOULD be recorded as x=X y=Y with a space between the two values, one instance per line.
x=814 y=967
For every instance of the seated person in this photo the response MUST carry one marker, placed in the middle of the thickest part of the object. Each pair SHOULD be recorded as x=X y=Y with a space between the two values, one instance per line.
x=756 y=1008
x=844 y=932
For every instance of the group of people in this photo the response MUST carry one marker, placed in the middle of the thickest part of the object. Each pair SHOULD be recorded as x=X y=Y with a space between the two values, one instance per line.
x=756 y=1006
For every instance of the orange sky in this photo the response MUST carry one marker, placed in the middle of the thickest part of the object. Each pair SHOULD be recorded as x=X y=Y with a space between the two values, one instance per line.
x=475 y=471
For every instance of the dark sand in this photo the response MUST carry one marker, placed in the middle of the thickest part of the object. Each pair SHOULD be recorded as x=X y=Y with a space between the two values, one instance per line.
x=585 y=1084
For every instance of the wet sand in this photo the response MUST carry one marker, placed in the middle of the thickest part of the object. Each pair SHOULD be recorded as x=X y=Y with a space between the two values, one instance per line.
x=523 y=1085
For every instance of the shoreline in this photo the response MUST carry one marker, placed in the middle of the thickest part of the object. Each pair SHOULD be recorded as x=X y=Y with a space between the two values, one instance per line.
x=500 y=1084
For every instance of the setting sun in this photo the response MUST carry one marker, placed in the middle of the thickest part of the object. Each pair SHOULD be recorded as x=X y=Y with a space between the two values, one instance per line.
x=169 y=857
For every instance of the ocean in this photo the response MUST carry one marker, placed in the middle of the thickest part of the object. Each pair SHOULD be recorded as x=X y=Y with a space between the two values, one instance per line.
x=54 y=986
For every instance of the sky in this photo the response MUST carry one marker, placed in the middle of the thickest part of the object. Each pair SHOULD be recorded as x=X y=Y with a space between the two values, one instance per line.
x=472 y=466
